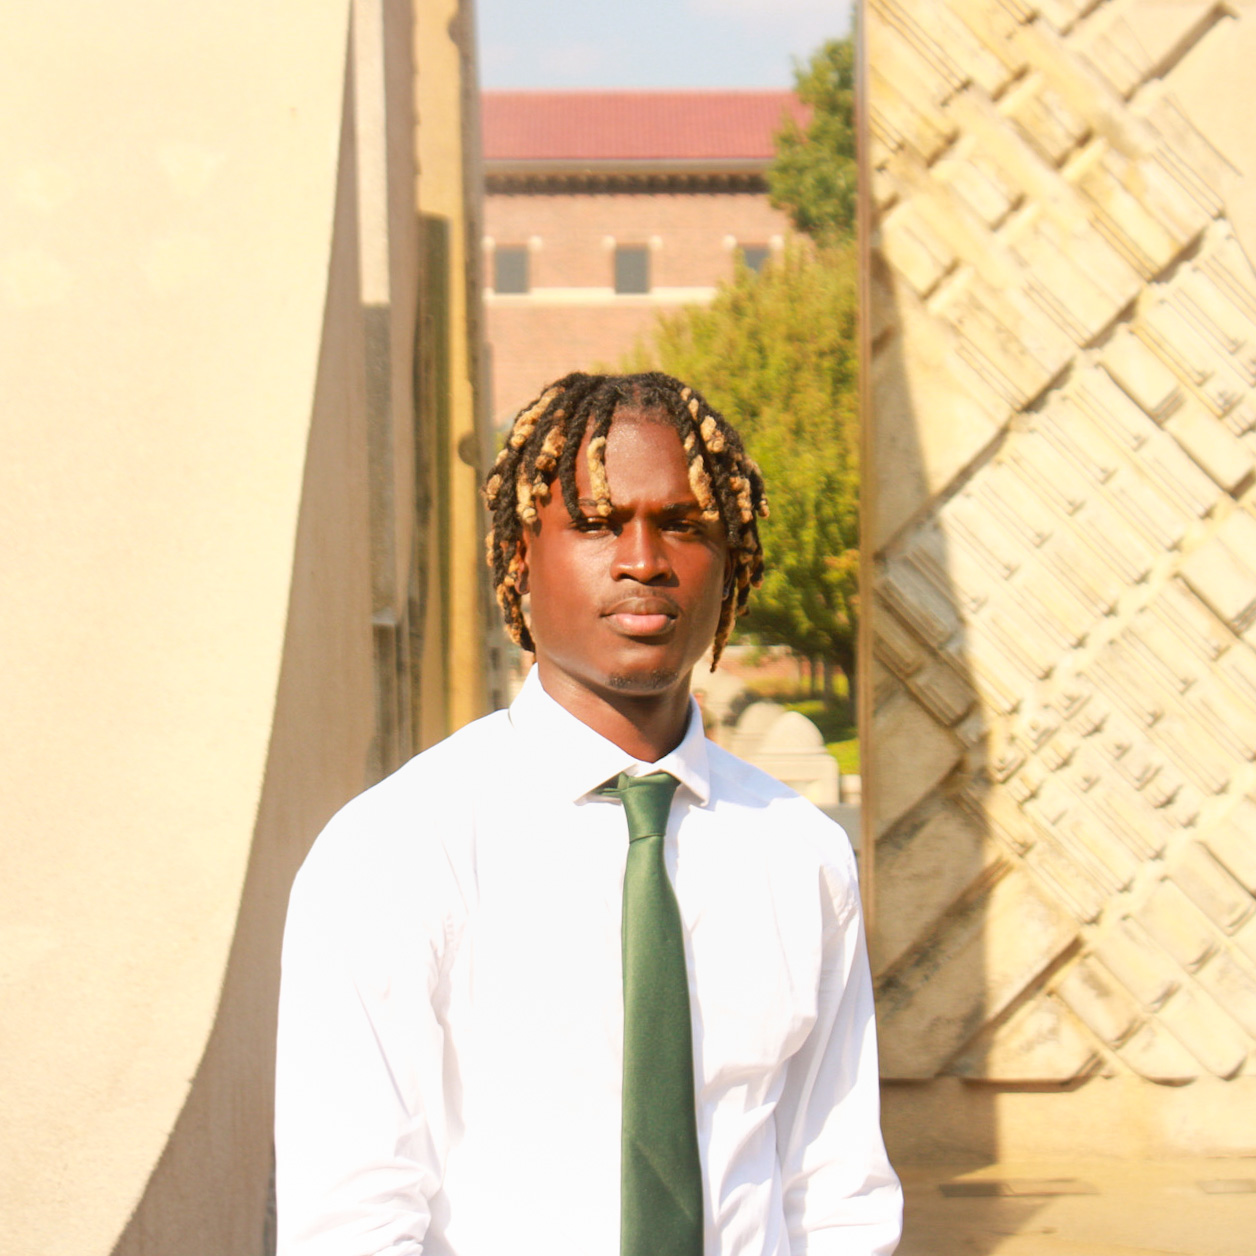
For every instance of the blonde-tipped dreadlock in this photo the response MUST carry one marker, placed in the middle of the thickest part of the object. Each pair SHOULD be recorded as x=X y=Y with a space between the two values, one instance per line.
x=543 y=445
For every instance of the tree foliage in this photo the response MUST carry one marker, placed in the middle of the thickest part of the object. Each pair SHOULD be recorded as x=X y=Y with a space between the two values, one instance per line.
x=777 y=353
x=813 y=177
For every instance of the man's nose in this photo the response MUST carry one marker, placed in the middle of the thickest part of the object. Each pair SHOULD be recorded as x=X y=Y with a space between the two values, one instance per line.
x=640 y=554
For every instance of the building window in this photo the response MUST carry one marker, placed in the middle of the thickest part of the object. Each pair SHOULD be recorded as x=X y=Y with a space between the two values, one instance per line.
x=510 y=268
x=755 y=256
x=632 y=268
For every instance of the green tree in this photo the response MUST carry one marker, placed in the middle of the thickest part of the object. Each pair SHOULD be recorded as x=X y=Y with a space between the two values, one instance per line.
x=813 y=176
x=777 y=352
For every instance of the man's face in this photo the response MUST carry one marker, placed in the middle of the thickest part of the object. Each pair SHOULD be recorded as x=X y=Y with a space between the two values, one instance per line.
x=626 y=604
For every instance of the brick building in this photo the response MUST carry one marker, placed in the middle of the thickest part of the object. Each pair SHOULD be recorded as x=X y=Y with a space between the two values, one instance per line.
x=604 y=208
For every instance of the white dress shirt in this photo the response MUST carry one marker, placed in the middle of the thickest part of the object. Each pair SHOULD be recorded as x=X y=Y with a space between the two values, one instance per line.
x=451 y=1012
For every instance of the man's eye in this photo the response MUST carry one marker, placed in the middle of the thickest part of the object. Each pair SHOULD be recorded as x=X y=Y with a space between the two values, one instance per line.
x=592 y=523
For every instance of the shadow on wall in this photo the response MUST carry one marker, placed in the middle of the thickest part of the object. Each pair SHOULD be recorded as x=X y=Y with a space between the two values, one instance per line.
x=209 y=1191
x=942 y=886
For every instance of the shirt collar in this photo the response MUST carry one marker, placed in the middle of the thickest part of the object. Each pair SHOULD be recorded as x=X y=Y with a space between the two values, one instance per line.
x=574 y=759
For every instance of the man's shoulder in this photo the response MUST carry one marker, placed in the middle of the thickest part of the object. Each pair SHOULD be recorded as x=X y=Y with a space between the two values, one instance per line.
x=416 y=811
x=782 y=815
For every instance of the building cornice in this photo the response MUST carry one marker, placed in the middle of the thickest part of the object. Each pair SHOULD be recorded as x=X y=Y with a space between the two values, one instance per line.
x=541 y=178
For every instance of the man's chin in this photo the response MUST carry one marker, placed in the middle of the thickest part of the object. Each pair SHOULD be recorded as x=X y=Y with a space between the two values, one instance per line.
x=643 y=683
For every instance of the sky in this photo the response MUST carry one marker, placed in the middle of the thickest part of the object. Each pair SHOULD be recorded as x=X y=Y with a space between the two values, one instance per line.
x=651 y=43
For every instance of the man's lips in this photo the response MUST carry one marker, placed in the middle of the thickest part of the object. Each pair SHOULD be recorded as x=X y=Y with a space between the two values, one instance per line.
x=642 y=616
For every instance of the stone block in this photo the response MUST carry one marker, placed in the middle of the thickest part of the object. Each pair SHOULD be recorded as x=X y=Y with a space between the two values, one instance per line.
x=943 y=690
x=1116 y=189
x=1100 y=1003
x=909 y=243
x=999 y=682
x=1154 y=454
x=1085 y=445
x=1015 y=503
x=1244 y=940
x=993 y=26
x=1014 y=632
x=1155 y=1054
x=1185 y=150
x=921 y=871
x=981 y=60
x=977 y=184
x=1233 y=843
x=1241 y=420
x=896 y=118
x=1229 y=719
x=1205 y=1031
x=1072 y=559
x=1035 y=458
x=1007 y=821
x=1013 y=348
x=910 y=58
x=1098 y=527
x=918 y=601
x=894 y=644
x=1044 y=118
x=1222 y=574
x=1228 y=266
x=1061 y=879
x=1040 y=1042
x=1151 y=642
x=1130 y=45
x=1220 y=318
x=1095 y=848
x=1142 y=374
x=1045 y=593
x=1211 y=888
x=1197 y=628
x=970 y=971
x=913 y=754
x=1124 y=950
x=1237 y=670
x=1233 y=985
x=1061 y=14
x=1176 y=330
x=1177 y=925
x=1101 y=399
x=917 y=373
x=1189 y=745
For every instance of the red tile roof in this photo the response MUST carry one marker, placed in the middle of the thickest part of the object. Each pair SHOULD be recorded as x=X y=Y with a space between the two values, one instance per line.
x=707 y=127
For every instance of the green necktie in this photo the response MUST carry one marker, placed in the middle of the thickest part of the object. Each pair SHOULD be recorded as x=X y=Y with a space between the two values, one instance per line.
x=660 y=1177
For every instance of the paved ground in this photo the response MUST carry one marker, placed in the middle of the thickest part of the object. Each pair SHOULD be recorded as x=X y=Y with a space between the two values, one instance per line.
x=1082 y=1208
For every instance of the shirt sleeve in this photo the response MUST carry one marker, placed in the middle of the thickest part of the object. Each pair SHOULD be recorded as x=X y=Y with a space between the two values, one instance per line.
x=841 y=1197
x=359 y=1121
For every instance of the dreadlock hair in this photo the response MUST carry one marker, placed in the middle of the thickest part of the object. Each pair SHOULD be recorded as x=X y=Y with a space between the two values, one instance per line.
x=543 y=445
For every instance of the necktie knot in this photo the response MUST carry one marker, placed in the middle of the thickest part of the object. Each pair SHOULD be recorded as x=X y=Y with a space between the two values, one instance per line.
x=647 y=801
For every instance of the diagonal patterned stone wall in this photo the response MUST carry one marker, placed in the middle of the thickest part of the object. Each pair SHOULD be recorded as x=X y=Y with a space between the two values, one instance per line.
x=1062 y=540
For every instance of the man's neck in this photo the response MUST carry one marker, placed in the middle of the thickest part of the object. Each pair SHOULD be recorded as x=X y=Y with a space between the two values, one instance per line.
x=646 y=726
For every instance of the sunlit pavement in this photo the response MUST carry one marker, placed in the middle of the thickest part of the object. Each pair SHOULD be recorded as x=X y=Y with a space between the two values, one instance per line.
x=1082 y=1208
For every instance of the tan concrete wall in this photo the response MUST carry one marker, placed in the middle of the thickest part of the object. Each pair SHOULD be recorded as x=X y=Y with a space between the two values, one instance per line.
x=449 y=199
x=214 y=538
x=1059 y=526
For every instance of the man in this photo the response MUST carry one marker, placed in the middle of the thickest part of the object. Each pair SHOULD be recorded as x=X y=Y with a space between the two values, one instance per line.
x=576 y=981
